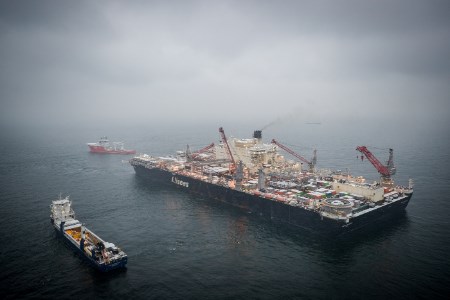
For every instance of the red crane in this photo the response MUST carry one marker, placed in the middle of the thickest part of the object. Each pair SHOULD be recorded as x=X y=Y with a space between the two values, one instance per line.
x=228 y=150
x=196 y=153
x=301 y=158
x=385 y=171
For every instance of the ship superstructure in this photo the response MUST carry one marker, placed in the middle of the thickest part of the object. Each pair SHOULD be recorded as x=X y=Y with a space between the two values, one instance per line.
x=253 y=175
x=252 y=151
x=103 y=255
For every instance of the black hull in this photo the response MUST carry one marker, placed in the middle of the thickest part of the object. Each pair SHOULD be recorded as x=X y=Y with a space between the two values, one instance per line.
x=270 y=209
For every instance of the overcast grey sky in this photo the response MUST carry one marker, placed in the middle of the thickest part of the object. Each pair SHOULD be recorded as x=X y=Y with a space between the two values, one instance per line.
x=89 y=61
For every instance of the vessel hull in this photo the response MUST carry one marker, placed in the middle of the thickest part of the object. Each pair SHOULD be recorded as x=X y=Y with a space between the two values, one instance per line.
x=76 y=248
x=275 y=211
x=103 y=150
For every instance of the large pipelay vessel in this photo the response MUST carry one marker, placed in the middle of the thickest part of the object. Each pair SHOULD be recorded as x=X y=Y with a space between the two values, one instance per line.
x=102 y=255
x=254 y=176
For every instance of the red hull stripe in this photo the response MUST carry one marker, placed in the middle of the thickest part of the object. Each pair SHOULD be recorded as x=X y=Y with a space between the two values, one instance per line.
x=101 y=149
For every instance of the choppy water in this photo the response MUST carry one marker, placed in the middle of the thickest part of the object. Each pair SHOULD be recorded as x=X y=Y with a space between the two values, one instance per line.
x=187 y=247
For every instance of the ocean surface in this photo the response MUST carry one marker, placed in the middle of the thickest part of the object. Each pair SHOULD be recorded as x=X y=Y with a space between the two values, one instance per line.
x=189 y=247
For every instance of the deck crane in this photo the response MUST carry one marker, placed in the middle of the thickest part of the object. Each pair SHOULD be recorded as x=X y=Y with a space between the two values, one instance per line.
x=228 y=150
x=311 y=163
x=385 y=171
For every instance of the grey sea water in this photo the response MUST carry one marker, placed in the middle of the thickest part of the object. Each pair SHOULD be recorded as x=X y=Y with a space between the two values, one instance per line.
x=188 y=247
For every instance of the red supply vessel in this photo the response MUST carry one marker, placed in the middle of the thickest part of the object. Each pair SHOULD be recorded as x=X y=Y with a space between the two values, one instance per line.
x=105 y=147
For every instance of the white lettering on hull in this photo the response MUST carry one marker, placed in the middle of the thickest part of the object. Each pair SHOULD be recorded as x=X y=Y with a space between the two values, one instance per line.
x=180 y=182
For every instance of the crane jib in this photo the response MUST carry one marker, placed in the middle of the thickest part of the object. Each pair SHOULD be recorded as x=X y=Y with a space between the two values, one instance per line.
x=382 y=169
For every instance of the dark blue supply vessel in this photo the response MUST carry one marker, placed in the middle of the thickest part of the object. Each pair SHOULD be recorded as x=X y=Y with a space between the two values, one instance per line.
x=104 y=256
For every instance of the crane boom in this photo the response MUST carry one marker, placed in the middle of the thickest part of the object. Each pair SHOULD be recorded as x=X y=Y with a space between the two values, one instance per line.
x=301 y=158
x=228 y=150
x=385 y=171
x=196 y=153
